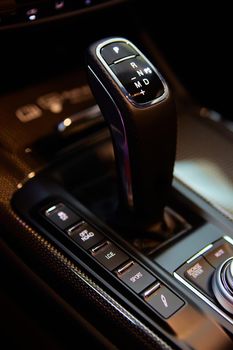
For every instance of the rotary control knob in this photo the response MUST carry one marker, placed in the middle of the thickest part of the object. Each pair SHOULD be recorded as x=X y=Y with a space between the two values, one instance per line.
x=222 y=284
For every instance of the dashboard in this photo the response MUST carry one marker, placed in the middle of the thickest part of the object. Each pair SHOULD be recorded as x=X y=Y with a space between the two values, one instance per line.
x=116 y=179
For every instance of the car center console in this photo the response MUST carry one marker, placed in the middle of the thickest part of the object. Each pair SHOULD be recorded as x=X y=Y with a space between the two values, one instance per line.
x=171 y=279
x=164 y=282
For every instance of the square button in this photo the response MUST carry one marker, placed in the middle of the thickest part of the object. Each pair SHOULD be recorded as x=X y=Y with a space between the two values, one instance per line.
x=61 y=215
x=135 y=276
x=220 y=252
x=85 y=235
x=115 y=51
x=164 y=301
x=199 y=272
x=109 y=255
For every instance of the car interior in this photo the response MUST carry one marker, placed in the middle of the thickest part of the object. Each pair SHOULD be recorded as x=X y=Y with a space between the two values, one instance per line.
x=116 y=176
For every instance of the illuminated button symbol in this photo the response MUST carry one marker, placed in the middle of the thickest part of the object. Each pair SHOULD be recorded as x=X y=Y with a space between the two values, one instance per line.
x=62 y=215
x=133 y=65
x=136 y=277
x=219 y=253
x=164 y=300
x=28 y=112
x=52 y=101
x=146 y=81
x=195 y=271
x=85 y=235
x=140 y=72
x=116 y=49
x=147 y=70
x=138 y=84
x=110 y=255
x=142 y=92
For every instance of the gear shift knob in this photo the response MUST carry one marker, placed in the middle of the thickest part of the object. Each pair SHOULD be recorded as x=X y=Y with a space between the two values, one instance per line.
x=139 y=110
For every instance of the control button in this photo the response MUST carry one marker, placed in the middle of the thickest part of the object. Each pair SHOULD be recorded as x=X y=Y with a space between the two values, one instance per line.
x=200 y=273
x=165 y=302
x=116 y=51
x=85 y=235
x=220 y=252
x=109 y=255
x=61 y=215
x=139 y=79
x=135 y=276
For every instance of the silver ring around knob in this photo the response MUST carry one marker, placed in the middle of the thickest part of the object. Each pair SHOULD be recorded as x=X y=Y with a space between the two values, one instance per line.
x=221 y=288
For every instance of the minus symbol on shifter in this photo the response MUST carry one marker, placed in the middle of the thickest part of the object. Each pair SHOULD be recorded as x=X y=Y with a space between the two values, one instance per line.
x=133 y=78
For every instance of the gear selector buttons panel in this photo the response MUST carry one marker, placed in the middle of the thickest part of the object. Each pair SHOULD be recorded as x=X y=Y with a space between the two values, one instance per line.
x=134 y=73
x=138 y=78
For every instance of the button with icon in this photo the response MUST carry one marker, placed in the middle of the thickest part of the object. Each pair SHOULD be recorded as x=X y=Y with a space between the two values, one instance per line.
x=163 y=300
x=116 y=51
x=85 y=235
x=61 y=215
x=135 y=276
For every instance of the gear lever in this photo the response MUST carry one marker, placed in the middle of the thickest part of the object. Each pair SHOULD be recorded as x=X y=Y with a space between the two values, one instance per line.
x=139 y=110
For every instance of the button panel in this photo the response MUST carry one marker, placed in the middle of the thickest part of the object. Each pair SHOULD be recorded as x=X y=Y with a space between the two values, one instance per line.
x=112 y=258
x=136 y=76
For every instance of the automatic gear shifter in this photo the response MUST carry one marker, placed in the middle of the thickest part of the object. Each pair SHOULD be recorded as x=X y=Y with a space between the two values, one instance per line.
x=139 y=110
